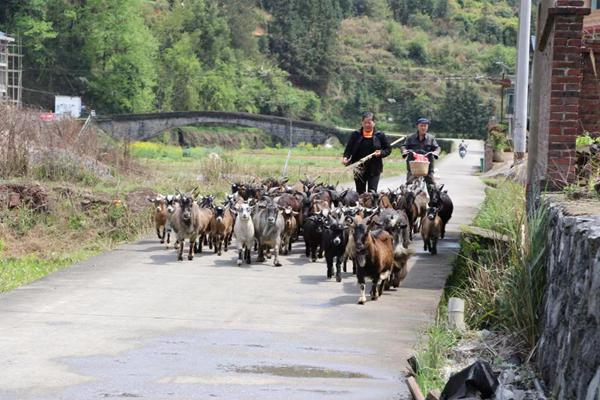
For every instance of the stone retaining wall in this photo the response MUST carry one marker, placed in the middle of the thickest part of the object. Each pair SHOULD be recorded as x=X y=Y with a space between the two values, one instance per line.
x=568 y=354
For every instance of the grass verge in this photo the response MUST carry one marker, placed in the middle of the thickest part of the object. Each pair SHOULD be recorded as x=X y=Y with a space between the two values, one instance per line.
x=432 y=352
x=502 y=283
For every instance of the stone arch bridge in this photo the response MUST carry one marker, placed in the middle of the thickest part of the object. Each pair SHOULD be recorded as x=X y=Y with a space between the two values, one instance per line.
x=145 y=126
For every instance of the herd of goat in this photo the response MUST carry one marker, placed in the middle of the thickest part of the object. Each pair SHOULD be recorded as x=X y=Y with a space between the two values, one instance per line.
x=373 y=230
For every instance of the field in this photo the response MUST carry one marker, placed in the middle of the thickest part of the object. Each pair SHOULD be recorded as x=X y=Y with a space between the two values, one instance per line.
x=184 y=169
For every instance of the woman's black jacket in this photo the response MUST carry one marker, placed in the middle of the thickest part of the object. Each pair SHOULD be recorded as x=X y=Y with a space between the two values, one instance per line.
x=358 y=147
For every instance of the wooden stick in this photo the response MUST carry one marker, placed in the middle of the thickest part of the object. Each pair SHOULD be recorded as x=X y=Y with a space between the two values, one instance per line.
x=367 y=158
x=413 y=386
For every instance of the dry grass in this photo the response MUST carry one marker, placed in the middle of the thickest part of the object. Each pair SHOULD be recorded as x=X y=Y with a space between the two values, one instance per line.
x=54 y=150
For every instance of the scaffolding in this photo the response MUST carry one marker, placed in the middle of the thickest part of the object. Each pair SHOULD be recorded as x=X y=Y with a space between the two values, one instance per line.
x=11 y=70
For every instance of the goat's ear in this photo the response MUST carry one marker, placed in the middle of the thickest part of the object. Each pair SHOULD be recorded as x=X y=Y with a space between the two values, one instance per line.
x=150 y=200
x=441 y=187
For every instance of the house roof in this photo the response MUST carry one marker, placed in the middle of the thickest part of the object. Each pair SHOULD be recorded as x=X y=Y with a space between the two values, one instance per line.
x=4 y=37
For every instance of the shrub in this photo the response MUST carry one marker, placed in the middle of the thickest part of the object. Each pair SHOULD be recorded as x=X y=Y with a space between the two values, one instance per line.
x=417 y=51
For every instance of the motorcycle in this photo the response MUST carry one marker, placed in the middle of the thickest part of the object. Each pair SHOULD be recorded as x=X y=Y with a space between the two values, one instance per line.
x=462 y=152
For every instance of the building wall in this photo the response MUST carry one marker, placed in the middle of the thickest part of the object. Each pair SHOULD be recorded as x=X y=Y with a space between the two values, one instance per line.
x=589 y=107
x=566 y=81
x=591 y=21
x=3 y=68
x=540 y=102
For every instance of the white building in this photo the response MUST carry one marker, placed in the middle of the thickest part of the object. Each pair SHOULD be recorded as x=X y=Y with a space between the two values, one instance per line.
x=10 y=70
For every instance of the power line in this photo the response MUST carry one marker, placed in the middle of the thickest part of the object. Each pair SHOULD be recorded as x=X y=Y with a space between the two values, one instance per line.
x=40 y=91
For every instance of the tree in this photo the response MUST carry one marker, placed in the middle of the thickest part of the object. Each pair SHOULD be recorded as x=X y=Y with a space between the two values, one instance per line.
x=303 y=36
x=179 y=88
x=122 y=56
x=441 y=9
x=242 y=20
x=463 y=111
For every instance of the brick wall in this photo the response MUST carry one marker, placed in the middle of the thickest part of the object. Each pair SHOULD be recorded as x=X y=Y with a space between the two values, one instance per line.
x=589 y=103
x=566 y=84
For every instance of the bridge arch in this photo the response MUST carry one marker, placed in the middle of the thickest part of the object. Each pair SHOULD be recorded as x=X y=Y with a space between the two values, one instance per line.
x=146 y=126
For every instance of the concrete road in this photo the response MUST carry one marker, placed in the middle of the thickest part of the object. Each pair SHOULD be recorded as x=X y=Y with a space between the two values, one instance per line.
x=136 y=323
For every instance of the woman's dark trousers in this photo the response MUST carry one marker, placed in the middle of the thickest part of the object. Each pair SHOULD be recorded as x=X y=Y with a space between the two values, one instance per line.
x=362 y=182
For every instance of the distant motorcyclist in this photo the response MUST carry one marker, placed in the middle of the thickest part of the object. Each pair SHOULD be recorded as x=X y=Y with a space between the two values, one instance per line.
x=421 y=142
x=462 y=149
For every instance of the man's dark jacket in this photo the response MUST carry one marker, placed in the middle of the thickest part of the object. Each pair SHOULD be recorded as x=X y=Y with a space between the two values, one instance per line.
x=428 y=144
x=358 y=147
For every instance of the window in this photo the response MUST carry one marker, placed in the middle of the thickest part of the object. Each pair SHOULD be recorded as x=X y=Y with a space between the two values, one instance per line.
x=595 y=4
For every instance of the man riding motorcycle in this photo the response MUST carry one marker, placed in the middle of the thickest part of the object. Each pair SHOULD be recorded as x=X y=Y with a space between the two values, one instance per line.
x=421 y=142
x=462 y=149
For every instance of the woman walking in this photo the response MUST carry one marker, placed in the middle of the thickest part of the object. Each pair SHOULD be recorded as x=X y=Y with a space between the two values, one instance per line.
x=362 y=143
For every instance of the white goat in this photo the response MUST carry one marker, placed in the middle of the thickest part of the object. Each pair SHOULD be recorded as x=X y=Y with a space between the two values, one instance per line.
x=243 y=230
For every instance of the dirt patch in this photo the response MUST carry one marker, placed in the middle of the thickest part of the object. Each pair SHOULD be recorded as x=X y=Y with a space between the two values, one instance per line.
x=33 y=196
x=137 y=200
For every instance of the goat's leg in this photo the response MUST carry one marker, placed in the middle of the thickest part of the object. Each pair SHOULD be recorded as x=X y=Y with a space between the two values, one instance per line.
x=162 y=235
x=180 y=250
x=329 y=261
x=191 y=252
x=434 y=246
x=276 y=262
x=388 y=282
x=199 y=245
x=443 y=231
x=313 y=253
x=240 y=250
x=374 y=289
x=261 y=256
x=158 y=232
x=306 y=247
x=338 y=269
x=227 y=243
x=361 y=282
x=248 y=260
x=345 y=262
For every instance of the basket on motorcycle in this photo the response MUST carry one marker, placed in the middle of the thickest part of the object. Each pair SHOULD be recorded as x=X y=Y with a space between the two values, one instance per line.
x=419 y=168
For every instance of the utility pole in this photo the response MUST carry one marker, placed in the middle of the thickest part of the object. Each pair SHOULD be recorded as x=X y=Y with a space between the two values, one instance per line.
x=519 y=132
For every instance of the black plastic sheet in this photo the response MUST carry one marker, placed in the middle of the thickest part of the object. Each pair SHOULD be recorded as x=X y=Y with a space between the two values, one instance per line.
x=478 y=378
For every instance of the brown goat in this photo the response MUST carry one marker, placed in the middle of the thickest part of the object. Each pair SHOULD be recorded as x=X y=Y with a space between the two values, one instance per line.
x=221 y=228
x=431 y=230
x=205 y=216
x=385 y=202
x=290 y=229
x=160 y=216
x=375 y=259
